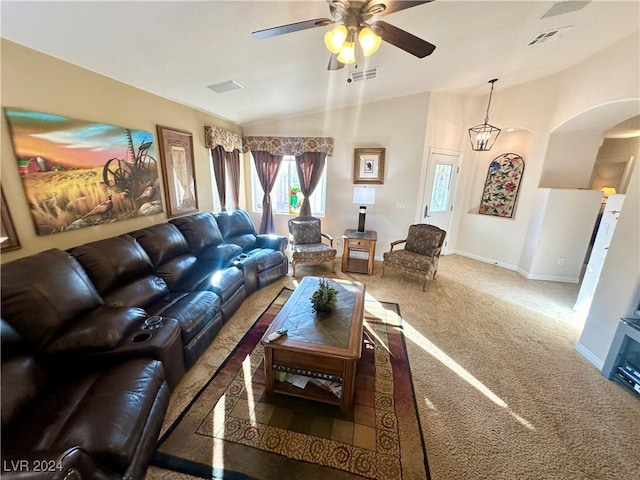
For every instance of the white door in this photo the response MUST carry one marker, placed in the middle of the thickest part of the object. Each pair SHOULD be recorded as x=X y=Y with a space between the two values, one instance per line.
x=442 y=176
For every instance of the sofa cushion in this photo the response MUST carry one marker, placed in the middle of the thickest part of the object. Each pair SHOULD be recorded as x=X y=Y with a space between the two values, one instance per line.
x=138 y=293
x=113 y=261
x=168 y=251
x=23 y=381
x=102 y=329
x=224 y=282
x=192 y=311
x=162 y=242
x=220 y=256
x=246 y=241
x=267 y=258
x=105 y=411
x=200 y=230
x=44 y=292
x=235 y=223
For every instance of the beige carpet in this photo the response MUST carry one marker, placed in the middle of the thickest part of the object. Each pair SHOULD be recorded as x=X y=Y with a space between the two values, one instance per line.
x=501 y=392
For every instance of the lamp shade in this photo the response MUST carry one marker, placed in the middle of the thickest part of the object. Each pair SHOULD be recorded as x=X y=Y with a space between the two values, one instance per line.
x=334 y=38
x=364 y=195
x=606 y=191
x=369 y=41
x=347 y=53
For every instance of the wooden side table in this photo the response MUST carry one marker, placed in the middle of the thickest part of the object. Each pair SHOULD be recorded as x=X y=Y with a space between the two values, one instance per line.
x=355 y=241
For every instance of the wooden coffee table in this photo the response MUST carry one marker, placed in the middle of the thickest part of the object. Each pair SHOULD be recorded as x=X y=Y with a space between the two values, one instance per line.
x=323 y=346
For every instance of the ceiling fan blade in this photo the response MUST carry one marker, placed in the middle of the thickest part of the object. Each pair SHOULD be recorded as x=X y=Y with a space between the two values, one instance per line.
x=393 y=6
x=334 y=64
x=403 y=40
x=291 y=27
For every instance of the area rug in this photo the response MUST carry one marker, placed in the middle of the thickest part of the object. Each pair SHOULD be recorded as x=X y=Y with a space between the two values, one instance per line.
x=232 y=430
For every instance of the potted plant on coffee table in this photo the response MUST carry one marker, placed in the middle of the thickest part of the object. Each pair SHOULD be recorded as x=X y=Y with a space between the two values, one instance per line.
x=324 y=298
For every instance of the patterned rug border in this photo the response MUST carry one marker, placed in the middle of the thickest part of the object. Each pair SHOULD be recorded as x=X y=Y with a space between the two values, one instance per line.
x=202 y=470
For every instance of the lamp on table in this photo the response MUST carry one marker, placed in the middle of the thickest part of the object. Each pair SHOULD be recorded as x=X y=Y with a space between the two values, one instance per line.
x=363 y=196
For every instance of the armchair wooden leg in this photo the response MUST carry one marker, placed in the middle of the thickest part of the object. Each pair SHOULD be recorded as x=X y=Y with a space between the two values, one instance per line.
x=293 y=265
x=424 y=284
x=382 y=270
x=333 y=266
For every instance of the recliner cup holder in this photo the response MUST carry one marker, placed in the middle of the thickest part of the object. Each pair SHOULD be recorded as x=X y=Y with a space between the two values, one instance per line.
x=141 y=337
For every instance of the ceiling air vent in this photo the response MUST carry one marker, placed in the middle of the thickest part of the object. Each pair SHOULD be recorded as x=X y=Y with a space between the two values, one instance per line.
x=225 y=86
x=564 y=7
x=548 y=35
x=366 y=74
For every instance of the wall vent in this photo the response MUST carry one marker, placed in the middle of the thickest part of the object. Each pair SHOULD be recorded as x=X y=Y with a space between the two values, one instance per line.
x=225 y=86
x=548 y=35
x=366 y=74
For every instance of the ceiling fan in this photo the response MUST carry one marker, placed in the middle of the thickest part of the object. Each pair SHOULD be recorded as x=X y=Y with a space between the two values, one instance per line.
x=357 y=19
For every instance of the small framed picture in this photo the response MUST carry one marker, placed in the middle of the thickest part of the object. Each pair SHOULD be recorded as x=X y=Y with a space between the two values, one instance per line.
x=368 y=166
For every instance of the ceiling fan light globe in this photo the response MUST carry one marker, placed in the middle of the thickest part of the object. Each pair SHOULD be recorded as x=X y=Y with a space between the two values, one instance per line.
x=348 y=53
x=369 y=41
x=334 y=38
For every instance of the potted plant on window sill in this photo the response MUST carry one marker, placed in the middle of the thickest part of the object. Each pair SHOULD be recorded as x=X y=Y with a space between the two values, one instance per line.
x=324 y=298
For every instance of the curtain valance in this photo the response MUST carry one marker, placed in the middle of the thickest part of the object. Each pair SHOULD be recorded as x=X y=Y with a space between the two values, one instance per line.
x=227 y=139
x=288 y=145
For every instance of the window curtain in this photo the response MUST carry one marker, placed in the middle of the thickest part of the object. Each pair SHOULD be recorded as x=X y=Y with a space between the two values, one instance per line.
x=225 y=153
x=218 y=158
x=267 y=154
x=309 y=166
x=233 y=170
x=267 y=166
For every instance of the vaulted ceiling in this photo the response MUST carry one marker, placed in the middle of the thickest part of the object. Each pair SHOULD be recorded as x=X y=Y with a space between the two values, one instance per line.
x=176 y=49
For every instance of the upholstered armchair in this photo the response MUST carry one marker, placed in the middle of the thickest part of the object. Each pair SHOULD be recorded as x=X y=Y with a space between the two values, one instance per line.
x=420 y=254
x=306 y=243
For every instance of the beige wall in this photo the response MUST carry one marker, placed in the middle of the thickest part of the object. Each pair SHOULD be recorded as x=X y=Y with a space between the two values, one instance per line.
x=38 y=82
x=399 y=126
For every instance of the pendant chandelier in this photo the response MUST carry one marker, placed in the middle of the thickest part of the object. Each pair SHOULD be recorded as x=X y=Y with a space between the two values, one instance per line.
x=484 y=136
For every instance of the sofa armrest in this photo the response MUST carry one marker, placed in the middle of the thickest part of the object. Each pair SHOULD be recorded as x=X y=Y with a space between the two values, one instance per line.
x=274 y=242
x=71 y=464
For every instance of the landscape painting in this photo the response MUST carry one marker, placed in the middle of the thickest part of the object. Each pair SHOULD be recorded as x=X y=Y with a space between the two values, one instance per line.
x=79 y=174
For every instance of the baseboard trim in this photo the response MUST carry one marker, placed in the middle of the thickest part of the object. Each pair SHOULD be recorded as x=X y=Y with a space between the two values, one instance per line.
x=550 y=278
x=589 y=355
x=515 y=268
x=484 y=259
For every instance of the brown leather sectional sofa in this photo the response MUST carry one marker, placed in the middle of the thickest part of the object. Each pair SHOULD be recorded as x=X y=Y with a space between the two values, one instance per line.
x=85 y=382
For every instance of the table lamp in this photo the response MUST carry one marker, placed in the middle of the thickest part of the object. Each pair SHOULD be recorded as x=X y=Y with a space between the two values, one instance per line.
x=363 y=196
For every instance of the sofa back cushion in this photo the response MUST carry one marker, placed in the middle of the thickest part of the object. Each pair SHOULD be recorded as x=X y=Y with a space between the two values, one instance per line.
x=169 y=252
x=113 y=261
x=44 y=292
x=200 y=230
x=122 y=271
x=237 y=227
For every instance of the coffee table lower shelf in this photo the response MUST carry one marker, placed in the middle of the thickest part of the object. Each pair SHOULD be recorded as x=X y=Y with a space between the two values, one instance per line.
x=311 y=390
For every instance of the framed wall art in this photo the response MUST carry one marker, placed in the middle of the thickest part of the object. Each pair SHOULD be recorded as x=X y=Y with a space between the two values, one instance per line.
x=368 y=166
x=178 y=172
x=8 y=234
x=501 y=185
x=78 y=173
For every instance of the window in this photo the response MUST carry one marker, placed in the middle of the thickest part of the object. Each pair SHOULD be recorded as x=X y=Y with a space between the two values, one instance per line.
x=286 y=197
